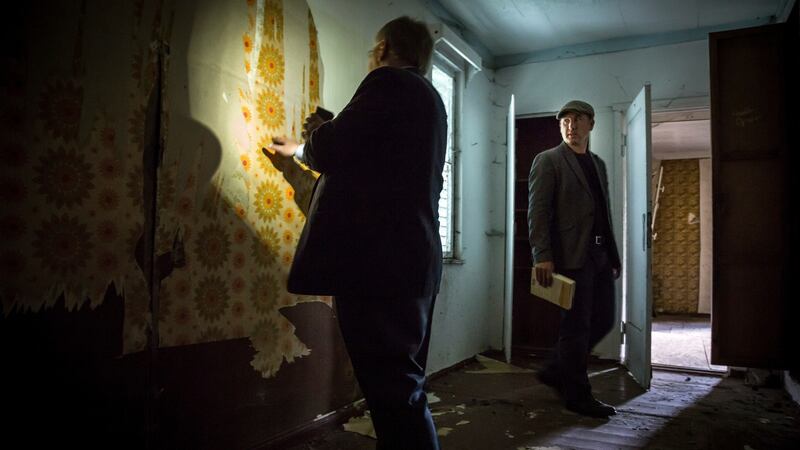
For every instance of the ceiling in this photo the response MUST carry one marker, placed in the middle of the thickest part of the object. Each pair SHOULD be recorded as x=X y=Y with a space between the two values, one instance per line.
x=528 y=27
x=682 y=140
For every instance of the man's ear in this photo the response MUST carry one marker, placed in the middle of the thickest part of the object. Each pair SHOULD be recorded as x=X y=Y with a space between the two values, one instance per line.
x=381 y=50
x=591 y=125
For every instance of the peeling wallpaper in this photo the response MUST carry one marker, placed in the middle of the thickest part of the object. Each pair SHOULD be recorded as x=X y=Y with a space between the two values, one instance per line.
x=236 y=74
x=72 y=178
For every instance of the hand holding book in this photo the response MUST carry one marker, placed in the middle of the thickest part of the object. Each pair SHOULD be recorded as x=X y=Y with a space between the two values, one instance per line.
x=560 y=292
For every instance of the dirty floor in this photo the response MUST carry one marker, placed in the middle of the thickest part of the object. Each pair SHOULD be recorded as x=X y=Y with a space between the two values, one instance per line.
x=683 y=341
x=479 y=409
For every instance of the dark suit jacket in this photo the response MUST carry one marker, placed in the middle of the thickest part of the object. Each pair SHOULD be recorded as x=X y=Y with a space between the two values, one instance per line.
x=373 y=225
x=561 y=208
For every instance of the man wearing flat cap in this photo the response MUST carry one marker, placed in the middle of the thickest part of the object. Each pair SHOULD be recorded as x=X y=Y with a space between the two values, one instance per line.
x=570 y=233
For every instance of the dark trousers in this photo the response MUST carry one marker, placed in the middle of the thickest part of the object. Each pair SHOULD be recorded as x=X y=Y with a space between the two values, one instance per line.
x=387 y=340
x=585 y=324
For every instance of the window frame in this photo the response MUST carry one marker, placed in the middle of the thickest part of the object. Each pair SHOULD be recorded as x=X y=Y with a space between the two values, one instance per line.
x=446 y=65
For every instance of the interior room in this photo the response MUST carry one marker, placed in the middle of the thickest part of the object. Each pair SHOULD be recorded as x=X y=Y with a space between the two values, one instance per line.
x=148 y=238
x=682 y=232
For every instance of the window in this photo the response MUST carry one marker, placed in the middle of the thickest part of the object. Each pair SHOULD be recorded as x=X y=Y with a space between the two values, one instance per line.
x=454 y=62
x=444 y=80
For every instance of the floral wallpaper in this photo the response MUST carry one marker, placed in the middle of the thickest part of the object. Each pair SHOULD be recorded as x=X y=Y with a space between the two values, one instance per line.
x=676 y=249
x=71 y=162
x=235 y=74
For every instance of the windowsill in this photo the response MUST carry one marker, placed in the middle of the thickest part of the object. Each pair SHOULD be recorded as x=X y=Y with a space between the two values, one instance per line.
x=451 y=260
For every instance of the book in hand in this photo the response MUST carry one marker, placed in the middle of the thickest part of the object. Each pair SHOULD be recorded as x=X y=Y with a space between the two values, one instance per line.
x=324 y=114
x=559 y=293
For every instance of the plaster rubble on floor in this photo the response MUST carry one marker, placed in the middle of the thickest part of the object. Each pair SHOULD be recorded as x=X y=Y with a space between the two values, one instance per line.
x=444 y=431
x=361 y=425
x=679 y=411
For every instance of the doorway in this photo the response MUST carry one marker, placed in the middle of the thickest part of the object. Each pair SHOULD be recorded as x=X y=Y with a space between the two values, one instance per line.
x=534 y=321
x=682 y=241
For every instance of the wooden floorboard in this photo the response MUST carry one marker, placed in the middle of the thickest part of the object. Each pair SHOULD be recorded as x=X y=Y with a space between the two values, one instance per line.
x=514 y=411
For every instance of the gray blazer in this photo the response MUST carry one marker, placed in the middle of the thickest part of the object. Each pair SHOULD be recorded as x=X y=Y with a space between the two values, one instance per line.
x=560 y=209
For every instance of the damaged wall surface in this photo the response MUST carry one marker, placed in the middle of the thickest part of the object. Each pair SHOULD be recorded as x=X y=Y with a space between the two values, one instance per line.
x=110 y=104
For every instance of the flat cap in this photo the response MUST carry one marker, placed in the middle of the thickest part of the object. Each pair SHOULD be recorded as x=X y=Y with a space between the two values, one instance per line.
x=576 y=106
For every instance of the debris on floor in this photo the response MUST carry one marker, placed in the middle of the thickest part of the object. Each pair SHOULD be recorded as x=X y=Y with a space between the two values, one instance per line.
x=512 y=412
x=440 y=411
x=361 y=425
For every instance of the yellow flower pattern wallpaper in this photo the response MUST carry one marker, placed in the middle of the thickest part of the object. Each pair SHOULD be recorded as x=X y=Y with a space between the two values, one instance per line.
x=235 y=74
x=676 y=249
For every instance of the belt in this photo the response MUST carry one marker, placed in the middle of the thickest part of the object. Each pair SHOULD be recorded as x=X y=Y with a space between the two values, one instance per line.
x=599 y=240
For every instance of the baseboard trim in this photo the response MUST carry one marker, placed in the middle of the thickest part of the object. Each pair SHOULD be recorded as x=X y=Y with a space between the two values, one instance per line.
x=457 y=366
x=307 y=431
x=668 y=368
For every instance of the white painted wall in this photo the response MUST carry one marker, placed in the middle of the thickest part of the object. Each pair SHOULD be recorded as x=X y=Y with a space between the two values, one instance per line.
x=605 y=80
x=468 y=313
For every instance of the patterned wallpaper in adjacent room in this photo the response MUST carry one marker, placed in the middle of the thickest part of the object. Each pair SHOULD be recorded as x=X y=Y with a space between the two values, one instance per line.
x=676 y=249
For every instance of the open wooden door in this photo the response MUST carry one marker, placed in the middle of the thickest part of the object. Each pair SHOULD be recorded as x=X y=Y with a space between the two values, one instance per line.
x=753 y=122
x=639 y=300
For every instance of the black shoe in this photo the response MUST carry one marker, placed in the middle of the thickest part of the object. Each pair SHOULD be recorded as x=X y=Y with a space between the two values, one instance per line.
x=611 y=410
x=591 y=407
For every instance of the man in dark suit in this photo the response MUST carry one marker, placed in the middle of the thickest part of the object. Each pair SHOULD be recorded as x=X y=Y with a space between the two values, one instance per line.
x=372 y=235
x=570 y=233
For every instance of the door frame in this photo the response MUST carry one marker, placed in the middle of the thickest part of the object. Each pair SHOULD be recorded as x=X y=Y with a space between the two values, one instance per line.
x=667 y=105
x=508 y=294
x=543 y=311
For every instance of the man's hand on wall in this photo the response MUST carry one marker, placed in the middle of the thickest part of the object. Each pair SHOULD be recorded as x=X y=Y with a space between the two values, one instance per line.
x=284 y=146
x=311 y=123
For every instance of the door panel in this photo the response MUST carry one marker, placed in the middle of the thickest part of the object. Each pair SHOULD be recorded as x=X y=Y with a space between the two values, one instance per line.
x=638 y=302
x=535 y=321
x=510 y=188
x=752 y=119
